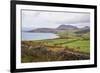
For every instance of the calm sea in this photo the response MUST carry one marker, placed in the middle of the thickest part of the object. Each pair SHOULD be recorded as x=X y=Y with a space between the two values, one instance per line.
x=28 y=36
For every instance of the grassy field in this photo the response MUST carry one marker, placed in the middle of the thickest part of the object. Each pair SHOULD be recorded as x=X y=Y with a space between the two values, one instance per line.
x=67 y=47
x=75 y=44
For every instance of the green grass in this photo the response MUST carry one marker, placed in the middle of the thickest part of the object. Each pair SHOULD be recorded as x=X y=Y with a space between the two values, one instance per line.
x=40 y=51
x=80 y=45
x=57 y=41
x=53 y=49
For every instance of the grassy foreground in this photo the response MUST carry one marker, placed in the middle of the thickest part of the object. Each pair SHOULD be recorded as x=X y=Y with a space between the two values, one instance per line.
x=59 y=49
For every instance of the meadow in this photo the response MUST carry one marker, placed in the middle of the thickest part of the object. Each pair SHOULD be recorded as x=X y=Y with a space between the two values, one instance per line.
x=69 y=46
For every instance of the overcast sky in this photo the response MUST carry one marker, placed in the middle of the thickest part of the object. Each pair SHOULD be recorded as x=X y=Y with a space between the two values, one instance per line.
x=45 y=19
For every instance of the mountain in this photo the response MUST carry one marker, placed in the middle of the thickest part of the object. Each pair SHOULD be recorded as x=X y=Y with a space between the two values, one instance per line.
x=83 y=30
x=86 y=27
x=54 y=30
x=66 y=27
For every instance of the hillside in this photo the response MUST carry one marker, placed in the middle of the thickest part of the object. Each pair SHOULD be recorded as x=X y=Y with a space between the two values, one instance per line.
x=54 y=30
x=83 y=30
x=66 y=27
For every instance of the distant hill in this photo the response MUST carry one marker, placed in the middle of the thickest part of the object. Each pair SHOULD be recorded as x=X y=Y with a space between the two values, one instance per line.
x=83 y=30
x=66 y=27
x=86 y=27
x=54 y=30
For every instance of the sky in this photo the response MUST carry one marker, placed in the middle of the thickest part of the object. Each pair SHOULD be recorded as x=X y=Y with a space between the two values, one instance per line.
x=50 y=19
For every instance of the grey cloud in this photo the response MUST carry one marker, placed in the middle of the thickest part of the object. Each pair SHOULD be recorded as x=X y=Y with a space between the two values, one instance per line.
x=48 y=19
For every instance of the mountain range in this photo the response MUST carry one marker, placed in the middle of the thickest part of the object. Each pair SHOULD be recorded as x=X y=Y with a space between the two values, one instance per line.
x=61 y=28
